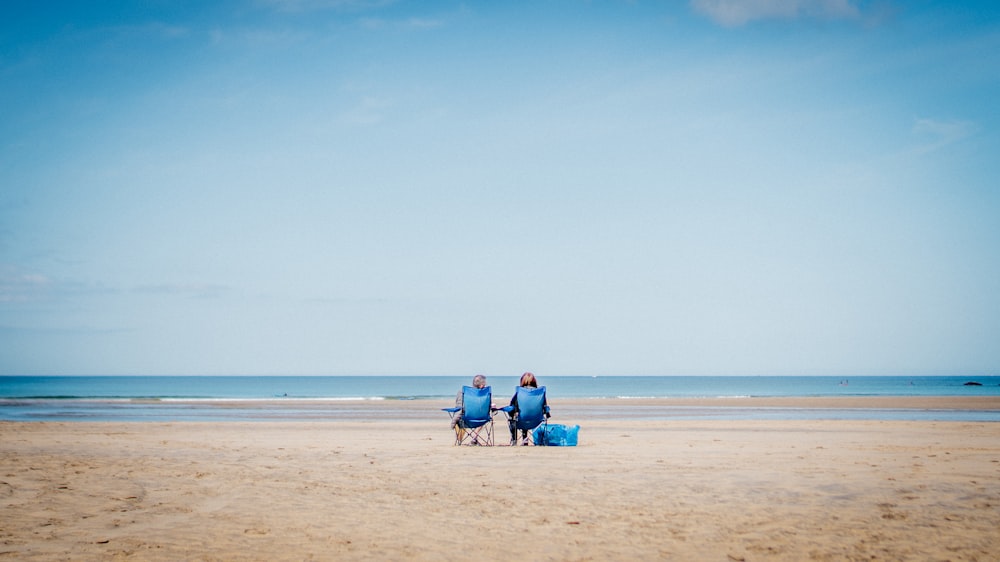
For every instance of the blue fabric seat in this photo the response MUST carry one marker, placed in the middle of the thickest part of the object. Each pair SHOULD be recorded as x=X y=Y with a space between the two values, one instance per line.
x=476 y=419
x=531 y=412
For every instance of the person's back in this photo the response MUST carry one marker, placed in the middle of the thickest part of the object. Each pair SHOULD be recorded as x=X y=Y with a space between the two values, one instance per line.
x=478 y=381
x=528 y=380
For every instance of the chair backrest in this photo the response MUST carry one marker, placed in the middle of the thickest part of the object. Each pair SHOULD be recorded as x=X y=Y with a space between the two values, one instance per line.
x=476 y=404
x=530 y=407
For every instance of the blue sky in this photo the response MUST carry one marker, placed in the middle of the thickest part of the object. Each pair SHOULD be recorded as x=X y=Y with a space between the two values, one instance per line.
x=377 y=187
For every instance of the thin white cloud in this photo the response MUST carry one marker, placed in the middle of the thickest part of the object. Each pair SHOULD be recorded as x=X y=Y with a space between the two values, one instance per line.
x=166 y=31
x=258 y=37
x=936 y=134
x=317 y=5
x=84 y=330
x=146 y=31
x=369 y=111
x=411 y=23
x=17 y=286
x=194 y=290
x=423 y=23
x=734 y=13
x=372 y=23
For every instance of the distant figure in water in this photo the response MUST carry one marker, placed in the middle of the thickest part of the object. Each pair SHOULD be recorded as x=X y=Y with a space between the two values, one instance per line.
x=843 y=382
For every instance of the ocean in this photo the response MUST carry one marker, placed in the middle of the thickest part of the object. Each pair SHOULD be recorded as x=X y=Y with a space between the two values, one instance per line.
x=204 y=398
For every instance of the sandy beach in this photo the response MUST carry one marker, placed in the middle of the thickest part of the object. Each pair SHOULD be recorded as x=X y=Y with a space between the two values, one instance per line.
x=390 y=490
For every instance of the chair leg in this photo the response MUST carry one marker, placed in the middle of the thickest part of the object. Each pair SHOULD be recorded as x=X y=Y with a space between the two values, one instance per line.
x=468 y=436
x=481 y=435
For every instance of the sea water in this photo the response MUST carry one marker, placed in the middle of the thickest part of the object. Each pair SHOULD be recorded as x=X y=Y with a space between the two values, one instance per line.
x=434 y=387
x=159 y=398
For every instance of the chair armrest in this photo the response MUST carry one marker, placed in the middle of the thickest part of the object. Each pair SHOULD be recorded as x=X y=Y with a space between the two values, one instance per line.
x=450 y=410
x=507 y=409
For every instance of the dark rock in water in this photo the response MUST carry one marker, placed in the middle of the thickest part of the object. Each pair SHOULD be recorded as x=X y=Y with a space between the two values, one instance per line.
x=973 y=384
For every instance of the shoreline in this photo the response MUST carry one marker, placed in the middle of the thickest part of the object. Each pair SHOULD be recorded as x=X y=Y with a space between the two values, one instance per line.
x=964 y=403
x=564 y=411
x=838 y=402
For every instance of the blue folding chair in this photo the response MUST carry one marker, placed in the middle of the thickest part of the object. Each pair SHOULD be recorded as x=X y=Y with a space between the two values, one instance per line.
x=475 y=426
x=532 y=411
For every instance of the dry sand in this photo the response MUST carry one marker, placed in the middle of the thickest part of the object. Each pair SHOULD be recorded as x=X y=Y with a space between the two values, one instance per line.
x=376 y=490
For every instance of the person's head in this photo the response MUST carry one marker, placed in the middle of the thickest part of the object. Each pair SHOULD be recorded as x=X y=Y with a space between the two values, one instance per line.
x=528 y=379
x=479 y=381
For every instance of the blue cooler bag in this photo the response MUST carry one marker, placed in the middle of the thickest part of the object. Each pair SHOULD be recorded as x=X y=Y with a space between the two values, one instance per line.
x=556 y=435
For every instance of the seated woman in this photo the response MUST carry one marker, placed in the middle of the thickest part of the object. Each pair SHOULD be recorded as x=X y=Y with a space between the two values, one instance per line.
x=527 y=380
x=478 y=381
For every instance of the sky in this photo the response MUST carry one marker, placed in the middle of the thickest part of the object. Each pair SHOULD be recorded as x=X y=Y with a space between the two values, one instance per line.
x=355 y=187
